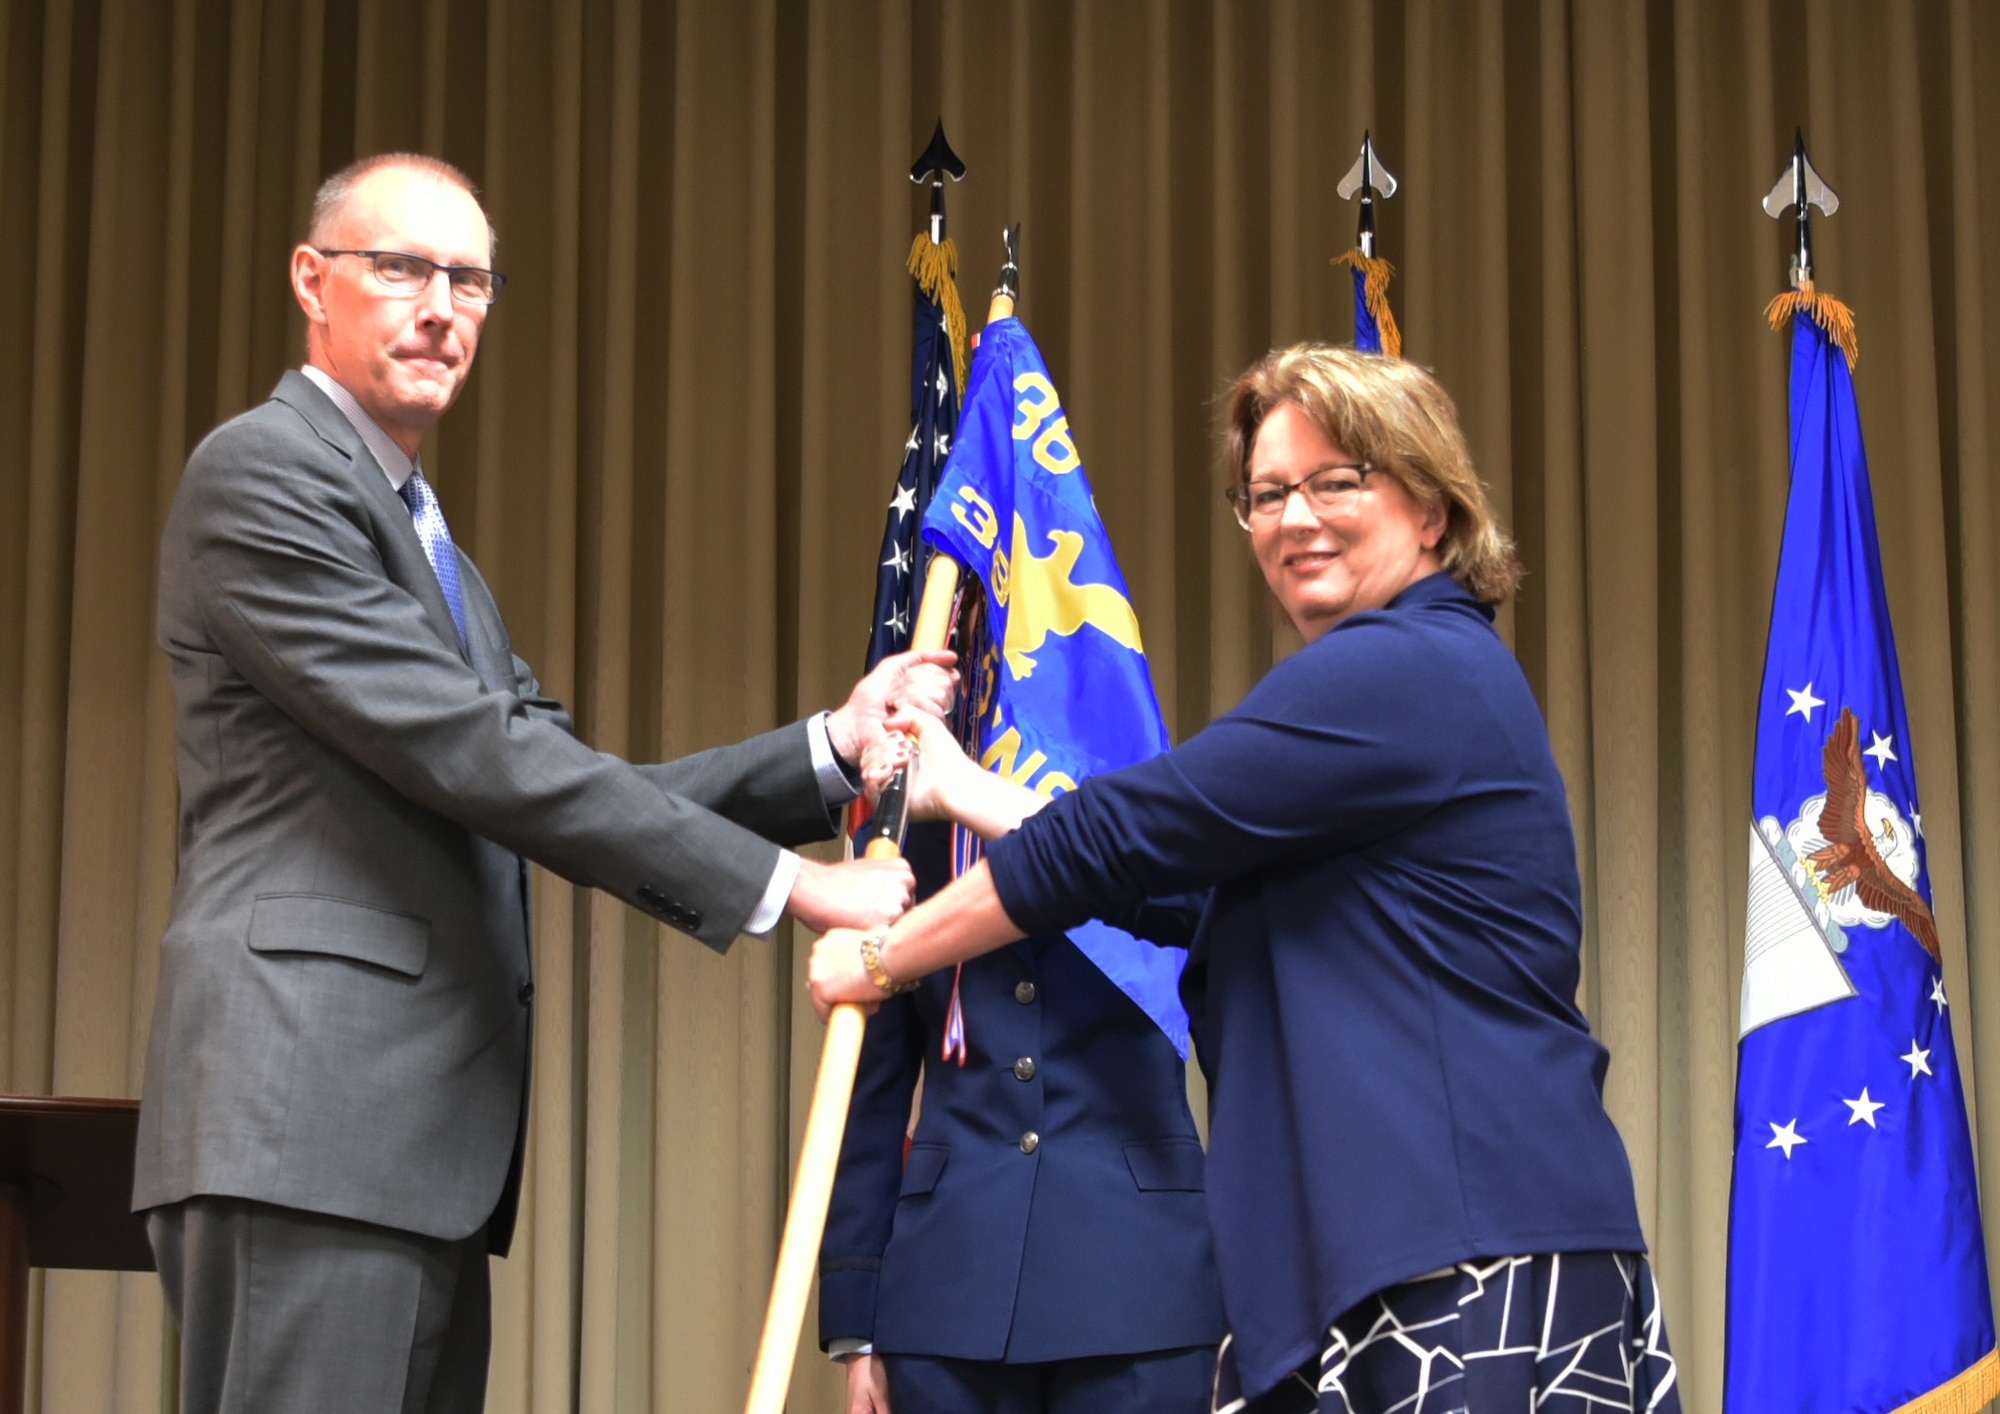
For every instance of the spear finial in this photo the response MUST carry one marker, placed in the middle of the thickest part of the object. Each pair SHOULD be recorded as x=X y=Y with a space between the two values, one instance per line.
x=1369 y=177
x=1375 y=328
x=1010 y=272
x=937 y=163
x=1801 y=186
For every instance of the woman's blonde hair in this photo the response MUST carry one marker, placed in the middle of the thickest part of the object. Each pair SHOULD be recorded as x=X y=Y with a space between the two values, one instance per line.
x=1398 y=418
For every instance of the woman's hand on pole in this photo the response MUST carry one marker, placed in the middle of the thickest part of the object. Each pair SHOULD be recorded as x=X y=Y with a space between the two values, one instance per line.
x=837 y=975
x=946 y=784
x=886 y=755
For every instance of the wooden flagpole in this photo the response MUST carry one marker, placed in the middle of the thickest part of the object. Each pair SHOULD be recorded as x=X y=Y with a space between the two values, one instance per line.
x=839 y=1058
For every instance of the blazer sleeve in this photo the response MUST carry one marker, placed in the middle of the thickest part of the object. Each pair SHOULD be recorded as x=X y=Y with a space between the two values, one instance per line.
x=1341 y=745
x=765 y=784
x=870 y=1175
x=290 y=587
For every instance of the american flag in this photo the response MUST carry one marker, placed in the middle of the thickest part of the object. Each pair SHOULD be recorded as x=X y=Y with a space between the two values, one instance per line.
x=899 y=577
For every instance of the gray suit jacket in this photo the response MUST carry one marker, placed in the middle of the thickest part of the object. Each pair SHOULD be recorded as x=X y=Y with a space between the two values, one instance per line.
x=344 y=1005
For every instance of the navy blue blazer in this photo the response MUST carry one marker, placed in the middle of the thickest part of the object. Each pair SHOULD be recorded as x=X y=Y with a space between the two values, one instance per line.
x=1399 y=1075
x=1052 y=1204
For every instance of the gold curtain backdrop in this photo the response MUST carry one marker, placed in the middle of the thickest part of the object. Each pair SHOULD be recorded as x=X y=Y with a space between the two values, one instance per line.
x=673 y=462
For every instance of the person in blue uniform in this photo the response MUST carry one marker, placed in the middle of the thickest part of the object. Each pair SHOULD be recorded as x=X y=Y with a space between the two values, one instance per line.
x=1044 y=1249
x=1417 y=1199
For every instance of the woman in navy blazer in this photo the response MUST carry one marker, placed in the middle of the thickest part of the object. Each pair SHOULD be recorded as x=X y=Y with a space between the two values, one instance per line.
x=1417 y=1199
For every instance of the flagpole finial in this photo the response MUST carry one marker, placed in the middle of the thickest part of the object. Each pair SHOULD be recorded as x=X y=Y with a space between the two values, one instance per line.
x=1375 y=328
x=1009 y=286
x=1800 y=185
x=1371 y=179
x=937 y=162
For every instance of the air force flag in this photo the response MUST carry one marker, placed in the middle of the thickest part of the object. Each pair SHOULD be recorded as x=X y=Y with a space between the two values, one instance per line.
x=1857 y=1267
x=1062 y=689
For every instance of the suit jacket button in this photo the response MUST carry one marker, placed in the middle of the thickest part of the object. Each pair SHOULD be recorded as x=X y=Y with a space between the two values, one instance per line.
x=1030 y=1142
x=1024 y=993
x=527 y=993
x=1024 y=1068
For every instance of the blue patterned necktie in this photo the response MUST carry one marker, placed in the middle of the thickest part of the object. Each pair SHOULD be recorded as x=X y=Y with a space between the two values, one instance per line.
x=436 y=540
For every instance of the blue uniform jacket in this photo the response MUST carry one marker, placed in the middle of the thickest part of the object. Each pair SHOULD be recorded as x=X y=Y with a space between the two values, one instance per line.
x=1052 y=1204
x=1399 y=1075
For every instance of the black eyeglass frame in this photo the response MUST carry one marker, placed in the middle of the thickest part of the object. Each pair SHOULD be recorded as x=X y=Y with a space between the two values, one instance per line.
x=497 y=281
x=1238 y=497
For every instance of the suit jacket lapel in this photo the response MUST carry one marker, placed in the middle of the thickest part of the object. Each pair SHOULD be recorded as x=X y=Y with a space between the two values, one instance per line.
x=402 y=553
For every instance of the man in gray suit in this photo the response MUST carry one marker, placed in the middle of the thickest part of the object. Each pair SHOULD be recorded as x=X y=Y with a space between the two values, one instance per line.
x=331 y=1134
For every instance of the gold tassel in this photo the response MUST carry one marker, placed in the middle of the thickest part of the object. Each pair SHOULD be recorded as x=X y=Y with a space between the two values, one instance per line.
x=935 y=269
x=1376 y=273
x=1967 y=1393
x=1827 y=312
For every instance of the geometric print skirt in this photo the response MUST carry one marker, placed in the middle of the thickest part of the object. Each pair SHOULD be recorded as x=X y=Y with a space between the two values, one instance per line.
x=1559 y=1333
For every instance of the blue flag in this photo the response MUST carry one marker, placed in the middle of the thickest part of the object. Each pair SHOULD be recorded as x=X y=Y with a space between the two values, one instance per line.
x=1062 y=689
x=1857 y=1268
x=1375 y=328
x=1367 y=330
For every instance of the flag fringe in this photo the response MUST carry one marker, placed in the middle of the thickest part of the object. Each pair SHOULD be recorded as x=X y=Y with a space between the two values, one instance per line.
x=935 y=269
x=1967 y=1393
x=1824 y=310
x=1376 y=274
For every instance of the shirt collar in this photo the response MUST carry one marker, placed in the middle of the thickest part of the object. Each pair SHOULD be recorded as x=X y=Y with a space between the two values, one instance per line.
x=1434 y=587
x=388 y=455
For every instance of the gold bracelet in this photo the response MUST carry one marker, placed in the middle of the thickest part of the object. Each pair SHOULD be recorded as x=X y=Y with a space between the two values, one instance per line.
x=871 y=962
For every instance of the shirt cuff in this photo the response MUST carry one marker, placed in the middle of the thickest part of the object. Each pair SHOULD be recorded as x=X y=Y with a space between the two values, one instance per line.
x=837 y=784
x=847 y=1345
x=770 y=908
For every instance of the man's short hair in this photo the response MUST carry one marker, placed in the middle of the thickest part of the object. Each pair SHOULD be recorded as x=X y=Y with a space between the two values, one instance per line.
x=330 y=201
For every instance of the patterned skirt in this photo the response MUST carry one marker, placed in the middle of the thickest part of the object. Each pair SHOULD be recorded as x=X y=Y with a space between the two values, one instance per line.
x=1559 y=1333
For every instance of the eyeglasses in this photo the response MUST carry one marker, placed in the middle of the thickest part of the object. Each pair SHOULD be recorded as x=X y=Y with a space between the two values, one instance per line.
x=1328 y=491
x=401 y=273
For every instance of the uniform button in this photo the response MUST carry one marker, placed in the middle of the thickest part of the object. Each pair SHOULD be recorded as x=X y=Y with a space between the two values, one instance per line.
x=1024 y=1068
x=1030 y=1142
x=527 y=993
x=1024 y=992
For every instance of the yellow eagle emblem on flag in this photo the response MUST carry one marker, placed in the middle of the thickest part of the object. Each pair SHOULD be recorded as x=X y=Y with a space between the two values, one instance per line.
x=1041 y=599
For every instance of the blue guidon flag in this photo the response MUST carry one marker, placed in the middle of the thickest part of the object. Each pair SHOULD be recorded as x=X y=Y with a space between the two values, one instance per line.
x=1059 y=681
x=1857 y=1266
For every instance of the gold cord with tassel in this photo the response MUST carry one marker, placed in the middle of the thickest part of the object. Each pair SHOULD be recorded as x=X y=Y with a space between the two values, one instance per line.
x=1824 y=310
x=1966 y=1393
x=1376 y=274
x=935 y=269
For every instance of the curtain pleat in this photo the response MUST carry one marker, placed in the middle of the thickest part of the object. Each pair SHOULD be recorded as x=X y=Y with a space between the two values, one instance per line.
x=673 y=462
